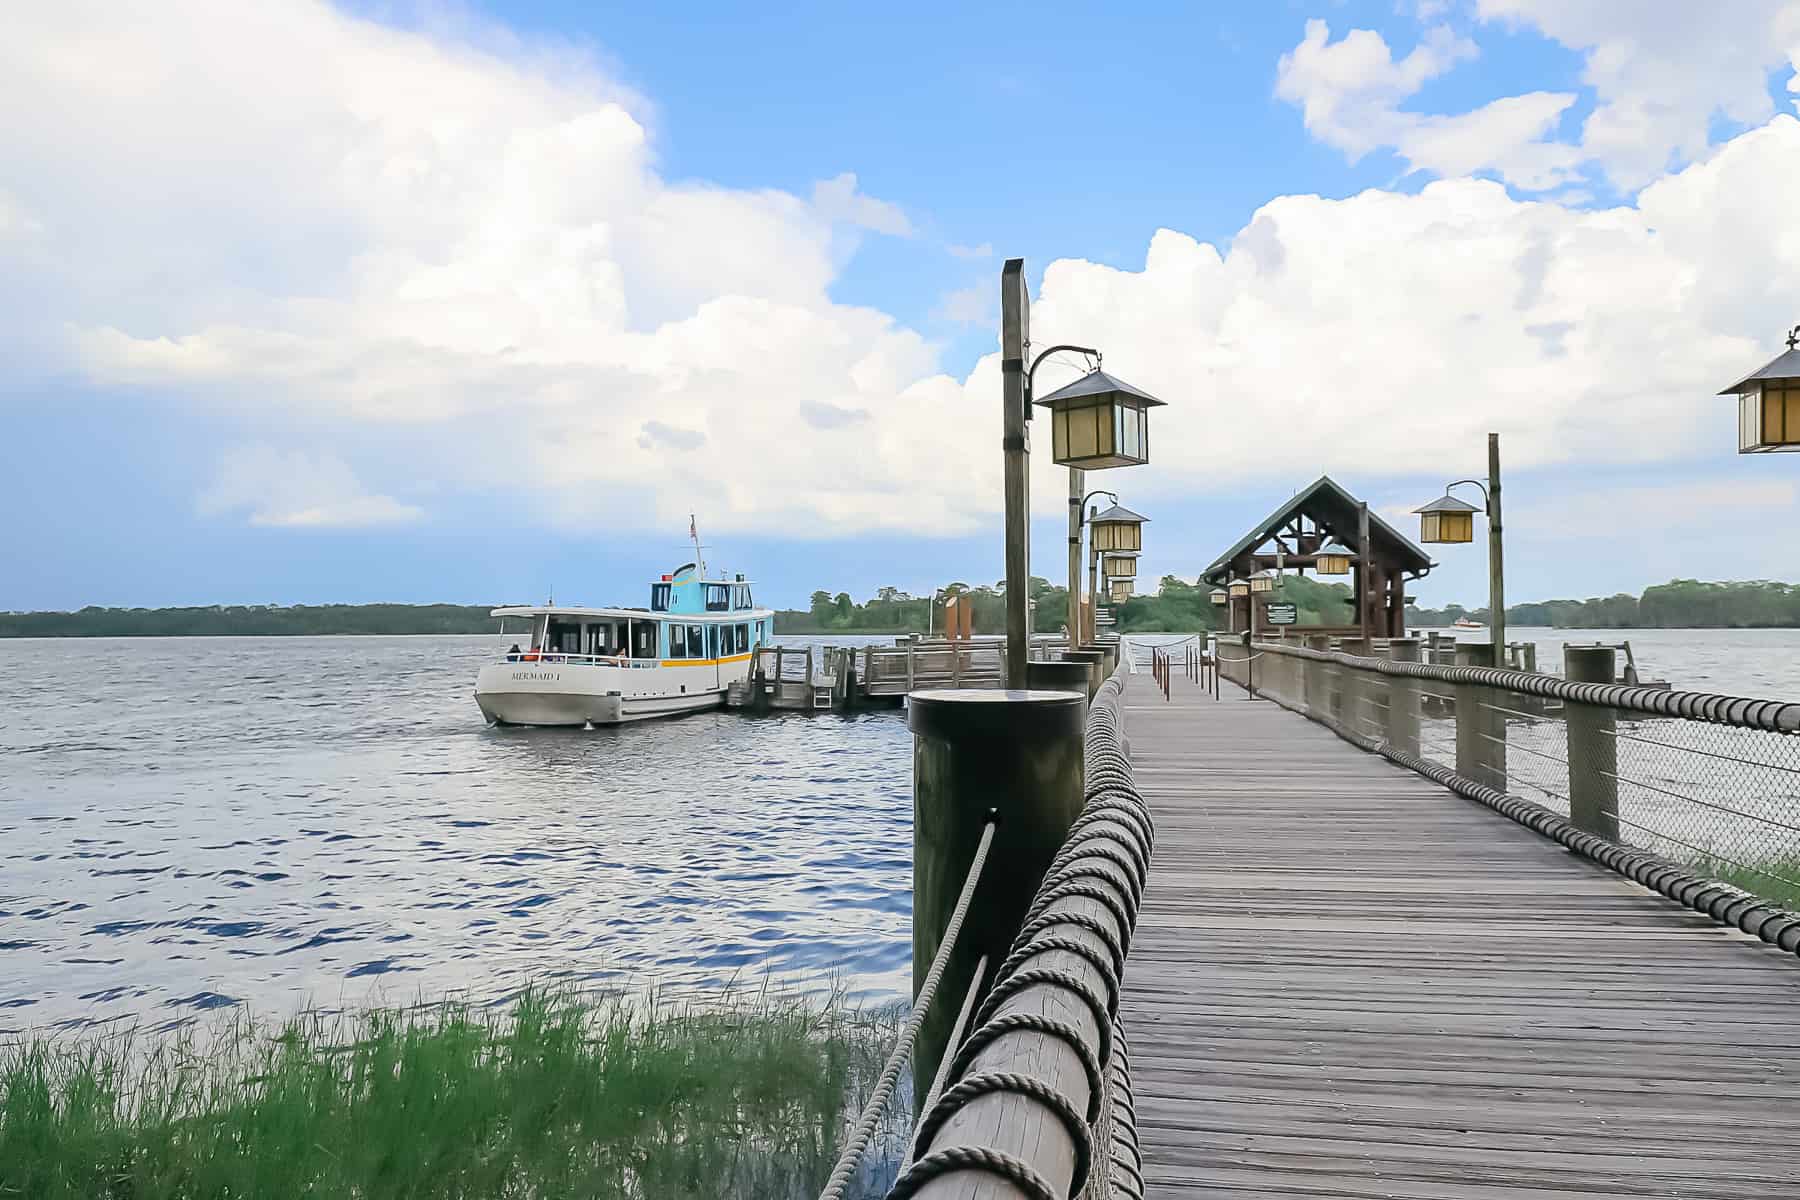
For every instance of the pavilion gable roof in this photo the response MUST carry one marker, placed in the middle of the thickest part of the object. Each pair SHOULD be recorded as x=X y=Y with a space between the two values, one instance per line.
x=1332 y=507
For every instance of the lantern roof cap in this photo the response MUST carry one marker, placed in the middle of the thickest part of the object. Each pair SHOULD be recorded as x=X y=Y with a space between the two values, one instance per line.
x=1098 y=383
x=1265 y=573
x=1784 y=366
x=1448 y=503
x=1119 y=515
x=1336 y=549
x=1119 y=553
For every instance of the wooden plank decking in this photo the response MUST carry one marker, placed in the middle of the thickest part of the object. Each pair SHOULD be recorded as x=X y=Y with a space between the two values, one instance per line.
x=1349 y=982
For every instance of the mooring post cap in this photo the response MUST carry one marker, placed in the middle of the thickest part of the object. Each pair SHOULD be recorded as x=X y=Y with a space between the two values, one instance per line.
x=976 y=714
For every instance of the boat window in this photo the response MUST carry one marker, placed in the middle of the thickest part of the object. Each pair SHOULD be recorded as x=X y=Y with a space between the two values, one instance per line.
x=740 y=639
x=718 y=597
x=696 y=640
x=659 y=597
x=643 y=639
x=678 y=641
x=712 y=641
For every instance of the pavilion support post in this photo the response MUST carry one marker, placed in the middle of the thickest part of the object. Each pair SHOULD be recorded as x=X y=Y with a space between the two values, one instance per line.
x=1365 y=566
x=1593 y=748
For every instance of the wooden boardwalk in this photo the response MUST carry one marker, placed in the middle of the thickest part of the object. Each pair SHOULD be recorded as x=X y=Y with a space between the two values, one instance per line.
x=1349 y=982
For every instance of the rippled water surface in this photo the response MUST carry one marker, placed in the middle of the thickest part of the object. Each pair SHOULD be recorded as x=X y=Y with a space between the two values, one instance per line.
x=187 y=824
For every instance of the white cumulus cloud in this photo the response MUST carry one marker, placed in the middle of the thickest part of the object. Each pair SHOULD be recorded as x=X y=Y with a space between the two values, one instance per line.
x=298 y=490
x=305 y=220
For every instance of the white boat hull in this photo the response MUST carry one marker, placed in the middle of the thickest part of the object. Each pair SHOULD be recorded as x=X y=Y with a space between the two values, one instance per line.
x=536 y=693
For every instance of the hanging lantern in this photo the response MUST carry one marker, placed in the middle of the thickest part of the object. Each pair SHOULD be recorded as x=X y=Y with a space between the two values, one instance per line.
x=1219 y=595
x=1117 y=529
x=1238 y=588
x=1121 y=590
x=1119 y=566
x=1098 y=422
x=1769 y=403
x=1334 y=558
x=1262 y=581
x=1447 y=520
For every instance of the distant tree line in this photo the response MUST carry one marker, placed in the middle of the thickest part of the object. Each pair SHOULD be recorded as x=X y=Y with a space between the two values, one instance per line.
x=1678 y=604
x=1176 y=607
x=891 y=610
x=254 y=620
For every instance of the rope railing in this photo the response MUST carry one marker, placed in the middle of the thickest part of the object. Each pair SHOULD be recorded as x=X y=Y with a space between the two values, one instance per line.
x=1694 y=795
x=870 y=1119
x=1045 y=1052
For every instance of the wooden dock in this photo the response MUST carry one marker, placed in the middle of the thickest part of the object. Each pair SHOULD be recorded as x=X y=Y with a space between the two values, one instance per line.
x=1349 y=982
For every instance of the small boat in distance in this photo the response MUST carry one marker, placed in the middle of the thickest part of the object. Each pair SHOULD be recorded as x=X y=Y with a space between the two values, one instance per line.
x=605 y=666
x=1465 y=623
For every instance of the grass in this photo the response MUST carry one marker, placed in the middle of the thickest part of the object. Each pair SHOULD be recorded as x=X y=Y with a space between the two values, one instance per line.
x=1772 y=880
x=553 y=1095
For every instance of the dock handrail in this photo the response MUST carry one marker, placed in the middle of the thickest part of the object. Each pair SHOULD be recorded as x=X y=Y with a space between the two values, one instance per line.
x=1695 y=795
x=1047 y=1052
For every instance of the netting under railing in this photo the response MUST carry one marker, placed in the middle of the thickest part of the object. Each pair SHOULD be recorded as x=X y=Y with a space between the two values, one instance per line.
x=1719 y=798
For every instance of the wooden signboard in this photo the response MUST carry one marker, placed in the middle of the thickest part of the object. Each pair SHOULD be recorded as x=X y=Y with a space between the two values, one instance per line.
x=1282 y=614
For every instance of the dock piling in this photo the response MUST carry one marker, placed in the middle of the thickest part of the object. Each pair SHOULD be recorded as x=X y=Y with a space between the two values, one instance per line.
x=1019 y=755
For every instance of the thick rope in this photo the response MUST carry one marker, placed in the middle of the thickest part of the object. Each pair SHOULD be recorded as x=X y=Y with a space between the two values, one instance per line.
x=1105 y=860
x=890 y=1074
x=972 y=1158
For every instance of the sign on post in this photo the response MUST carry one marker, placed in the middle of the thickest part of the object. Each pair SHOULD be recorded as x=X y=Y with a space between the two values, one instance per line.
x=1282 y=614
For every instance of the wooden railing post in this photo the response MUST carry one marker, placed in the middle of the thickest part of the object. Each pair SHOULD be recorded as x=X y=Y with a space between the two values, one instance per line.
x=1020 y=757
x=1356 y=688
x=1593 y=748
x=1403 y=698
x=1480 y=729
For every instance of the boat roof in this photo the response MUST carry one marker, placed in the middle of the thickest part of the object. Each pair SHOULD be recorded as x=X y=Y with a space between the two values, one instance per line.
x=635 y=614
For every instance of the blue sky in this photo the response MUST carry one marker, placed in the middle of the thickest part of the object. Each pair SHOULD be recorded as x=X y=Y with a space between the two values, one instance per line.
x=379 y=302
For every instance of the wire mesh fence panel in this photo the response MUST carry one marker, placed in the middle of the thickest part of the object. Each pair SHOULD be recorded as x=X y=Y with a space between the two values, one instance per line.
x=1725 y=800
x=1722 y=799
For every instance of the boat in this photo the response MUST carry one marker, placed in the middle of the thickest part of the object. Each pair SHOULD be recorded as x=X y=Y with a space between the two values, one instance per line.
x=607 y=666
x=1465 y=623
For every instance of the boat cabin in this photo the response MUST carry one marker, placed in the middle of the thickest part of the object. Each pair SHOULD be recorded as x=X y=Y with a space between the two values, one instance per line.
x=690 y=622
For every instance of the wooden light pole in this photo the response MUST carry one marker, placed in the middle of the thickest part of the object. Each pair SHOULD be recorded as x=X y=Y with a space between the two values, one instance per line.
x=1496 y=555
x=1015 y=333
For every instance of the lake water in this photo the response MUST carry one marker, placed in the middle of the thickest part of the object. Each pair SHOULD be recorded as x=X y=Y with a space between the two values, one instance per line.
x=188 y=824
x=1740 y=662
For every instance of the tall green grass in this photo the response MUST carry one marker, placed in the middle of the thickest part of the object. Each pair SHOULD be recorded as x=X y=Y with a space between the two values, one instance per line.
x=1772 y=879
x=554 y=1095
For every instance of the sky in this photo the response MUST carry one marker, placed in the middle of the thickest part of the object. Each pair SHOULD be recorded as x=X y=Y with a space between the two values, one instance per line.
x=305 y=302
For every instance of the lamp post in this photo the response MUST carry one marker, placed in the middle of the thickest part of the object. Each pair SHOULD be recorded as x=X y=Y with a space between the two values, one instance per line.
x=1450 y=520
x=1238 y=588
x=1116 y=531
x=1096 y=422
x=1769 y=403
x=1077 y=506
